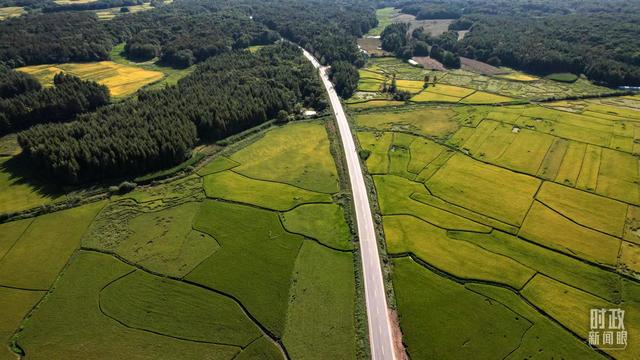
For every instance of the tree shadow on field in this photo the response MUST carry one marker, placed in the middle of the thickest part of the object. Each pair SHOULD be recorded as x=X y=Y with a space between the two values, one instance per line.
x=21 y=171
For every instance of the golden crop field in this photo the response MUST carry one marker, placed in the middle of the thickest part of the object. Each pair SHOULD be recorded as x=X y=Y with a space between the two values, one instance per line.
x=109 y=14
x=122 y=80
x=71 y=2
x=11 y=11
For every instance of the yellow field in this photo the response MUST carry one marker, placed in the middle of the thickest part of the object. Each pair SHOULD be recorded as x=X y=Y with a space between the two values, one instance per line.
x=484 y=189
x=568 y=305
x=517 y=76
x=551 y=164
x=437 y=122
x=587 y=209
x=481 y=97
x=71 y=2
x=374 y=103
x=412 y=86
x=618 y=176
x=548 y=228
x=109 y=14
x=571 y=164
x=11 y=11
x=459 y=258
x=122 y=80
x=450 y=90
x=427 y=96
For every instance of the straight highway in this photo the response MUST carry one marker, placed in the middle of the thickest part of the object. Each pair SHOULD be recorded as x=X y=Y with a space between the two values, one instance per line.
x=380 y=332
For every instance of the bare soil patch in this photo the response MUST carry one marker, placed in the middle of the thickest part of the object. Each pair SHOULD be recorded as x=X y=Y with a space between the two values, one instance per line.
x=429 y=63
x=480 y=67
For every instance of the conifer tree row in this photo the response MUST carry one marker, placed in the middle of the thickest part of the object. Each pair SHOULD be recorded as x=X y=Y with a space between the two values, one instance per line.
x=226 y=94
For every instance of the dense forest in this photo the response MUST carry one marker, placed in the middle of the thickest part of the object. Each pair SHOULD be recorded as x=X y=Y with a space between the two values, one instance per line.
x=53 y=38
x=226 y=94
x=592 y=37
x=442 y=48
x=567 y=43
x=182 y=36
x=68 y=97
x=230 y=90
x=13 y=83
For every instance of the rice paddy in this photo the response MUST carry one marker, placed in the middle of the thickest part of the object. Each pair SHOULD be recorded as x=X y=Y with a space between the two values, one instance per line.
x=206 y=266
x=122 y=80
x=533 y=208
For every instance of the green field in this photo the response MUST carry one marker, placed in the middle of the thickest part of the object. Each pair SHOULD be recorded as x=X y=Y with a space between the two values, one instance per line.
x=384 y=17
x=170 y=76
x=462 y=324
x=523 y=209
x=237 y=260
x=457 y=85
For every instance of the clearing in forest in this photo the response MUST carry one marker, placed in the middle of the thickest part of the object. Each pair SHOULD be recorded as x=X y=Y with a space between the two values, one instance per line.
x=121 y=80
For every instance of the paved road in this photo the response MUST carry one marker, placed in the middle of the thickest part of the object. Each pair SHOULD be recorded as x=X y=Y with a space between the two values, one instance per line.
x=380 y=333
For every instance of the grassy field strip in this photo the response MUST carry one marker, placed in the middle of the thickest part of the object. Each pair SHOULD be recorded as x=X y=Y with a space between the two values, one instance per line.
x=407 y=234
x=15 y=304
x=632 y=225
x=453 y=184
x=571 y=164
x=319 y=320
x=460 y=211
x=434 y=122
x=378 y=146
x=232 y=186
x=571 y=306
x=394 y=198
x=590 y=210
x=175 y=309
x=165 y=241
x=110 y=13
x=551 y=229
x=618 y=176
x=553 y=160
x=423 y=152
x=384 y=16
x=427 y=172
x=554 y=264
x=543 y=334
x=289 y=155
x=313 y=220
x=43 y=249
x=10 y=233
x=17 y=194
x=400 y=155
x=220 y=163
x=460 y=328
x=69 y=320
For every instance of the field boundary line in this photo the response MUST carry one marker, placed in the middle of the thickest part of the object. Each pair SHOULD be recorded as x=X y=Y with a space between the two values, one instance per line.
x=275 y=182
x=458 y=280
x=33 y=219
x=147 y=330
x=579 y=224
x=265 y=331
